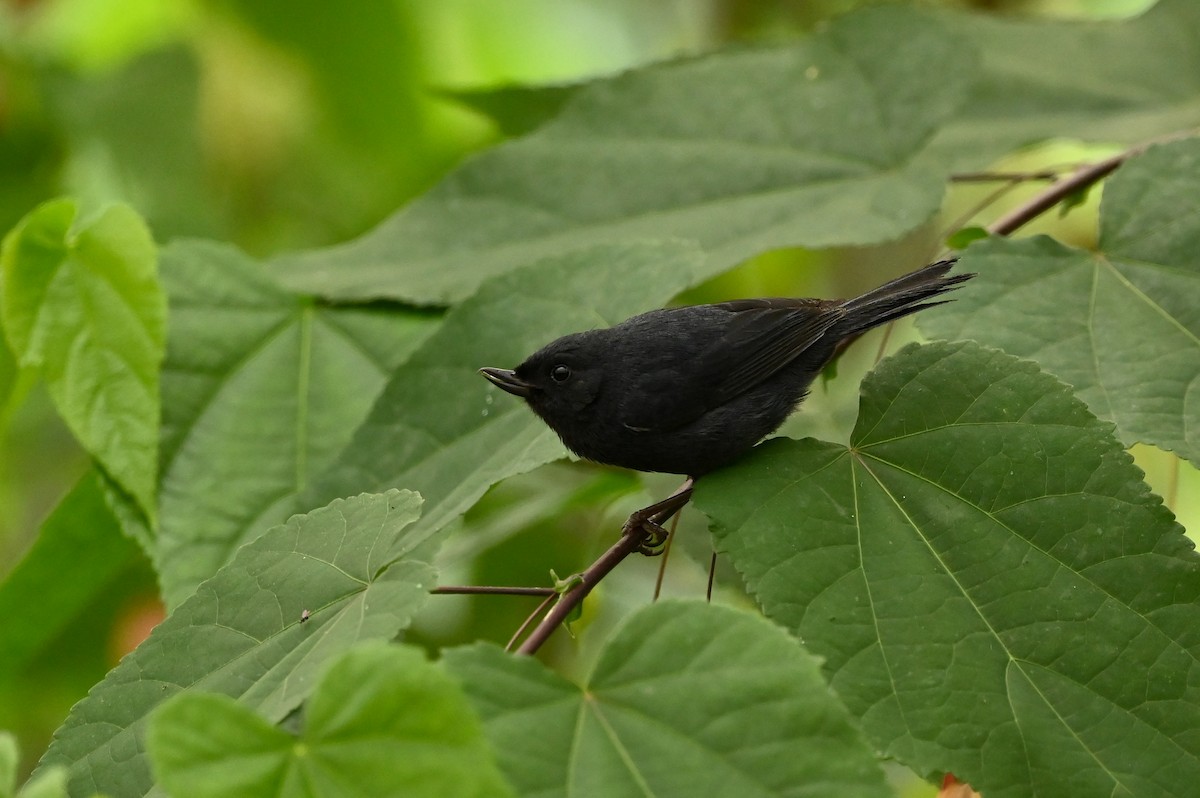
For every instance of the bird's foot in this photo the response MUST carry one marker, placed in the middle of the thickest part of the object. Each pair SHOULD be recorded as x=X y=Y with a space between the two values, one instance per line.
x=647 y=523
x=654 y=540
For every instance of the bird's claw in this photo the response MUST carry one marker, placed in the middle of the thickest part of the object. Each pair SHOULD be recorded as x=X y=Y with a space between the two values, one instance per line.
x=654 y=540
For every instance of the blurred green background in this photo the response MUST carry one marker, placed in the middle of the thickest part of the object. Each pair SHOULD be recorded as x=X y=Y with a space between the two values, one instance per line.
x=288 y=125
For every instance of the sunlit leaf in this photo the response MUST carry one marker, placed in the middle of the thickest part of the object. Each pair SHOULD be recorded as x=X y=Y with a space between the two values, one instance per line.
x=381 y=721
x=82 y=304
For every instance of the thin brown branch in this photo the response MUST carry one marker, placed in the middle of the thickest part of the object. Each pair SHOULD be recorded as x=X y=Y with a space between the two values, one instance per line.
x=993 y=196
x=525 y=624
x=633 y=537
x=492 y=590
x=1006 y=177
x=1082 y=178
x=666 y=557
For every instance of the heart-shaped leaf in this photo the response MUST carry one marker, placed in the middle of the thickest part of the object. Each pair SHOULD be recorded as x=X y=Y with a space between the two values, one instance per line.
x=995 y=591
x=687 y=700
x=381 y=721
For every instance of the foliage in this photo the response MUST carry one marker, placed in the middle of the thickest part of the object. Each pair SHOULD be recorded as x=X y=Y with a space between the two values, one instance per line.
x=977 y=580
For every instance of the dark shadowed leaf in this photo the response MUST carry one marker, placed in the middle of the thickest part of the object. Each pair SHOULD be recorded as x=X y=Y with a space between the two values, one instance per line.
x=995 y=591
x=811 y=144
x=78 y=552
x=516 y=110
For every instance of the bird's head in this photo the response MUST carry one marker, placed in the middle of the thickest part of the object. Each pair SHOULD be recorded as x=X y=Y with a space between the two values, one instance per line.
x=560 y=381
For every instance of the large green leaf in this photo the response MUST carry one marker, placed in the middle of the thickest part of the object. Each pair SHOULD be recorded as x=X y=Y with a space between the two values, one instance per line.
x=246 y=633
x=1126 y=80
x=83 y=305
x=745 y=151
x=441 y=429
x=381 y=721
x=995 y=591
x=687 y=700
x=1121 y=324
x=261 y=390
x=78 y=553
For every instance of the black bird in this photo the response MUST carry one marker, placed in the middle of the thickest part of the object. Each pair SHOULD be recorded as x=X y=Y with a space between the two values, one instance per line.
x=688 y=390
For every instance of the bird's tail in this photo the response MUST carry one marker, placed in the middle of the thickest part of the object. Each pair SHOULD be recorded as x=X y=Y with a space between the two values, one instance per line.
x=900 y=297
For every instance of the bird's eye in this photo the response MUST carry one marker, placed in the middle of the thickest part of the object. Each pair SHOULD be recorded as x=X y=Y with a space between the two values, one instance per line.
x=560 y=373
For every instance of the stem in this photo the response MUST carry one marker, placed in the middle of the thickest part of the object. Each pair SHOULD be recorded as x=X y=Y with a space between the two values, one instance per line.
x=491 y=590
x=632 y=537
x=626 y=545
x=525 y=625
x=666 y=556
x=1081 y=179
x=1005 y=177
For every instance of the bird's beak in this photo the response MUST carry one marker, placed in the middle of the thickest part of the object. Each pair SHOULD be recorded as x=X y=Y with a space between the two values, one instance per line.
x=507 y=380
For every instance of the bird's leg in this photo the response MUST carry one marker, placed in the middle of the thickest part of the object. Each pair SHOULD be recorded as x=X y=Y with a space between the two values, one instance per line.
x=647 y=522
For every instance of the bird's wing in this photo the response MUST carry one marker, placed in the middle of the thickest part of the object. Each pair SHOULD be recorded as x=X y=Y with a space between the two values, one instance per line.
x=758 y=338
x=764 y=336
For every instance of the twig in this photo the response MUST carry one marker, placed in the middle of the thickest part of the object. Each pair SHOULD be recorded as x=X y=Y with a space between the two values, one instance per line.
x=493 y=590
x=666 y=556
x=1081 y=179
x=712 y=573
x=993 y=196
x=633 y=536
x=525 y=625
x=1005 y=177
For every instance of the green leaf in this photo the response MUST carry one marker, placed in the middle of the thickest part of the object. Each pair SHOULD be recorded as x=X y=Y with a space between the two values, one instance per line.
x=382 y=721
x=1127 y=80
x=516 y=110
x=77 y=554
x=261 y=390
x=687 y=700
x=995 y=591
x=441 y=429
x=961 y=239
x=9 y=756
x=240 y=633
x=51 y=784
x=811 y=144
x=1122 y=324
x=84 y=306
